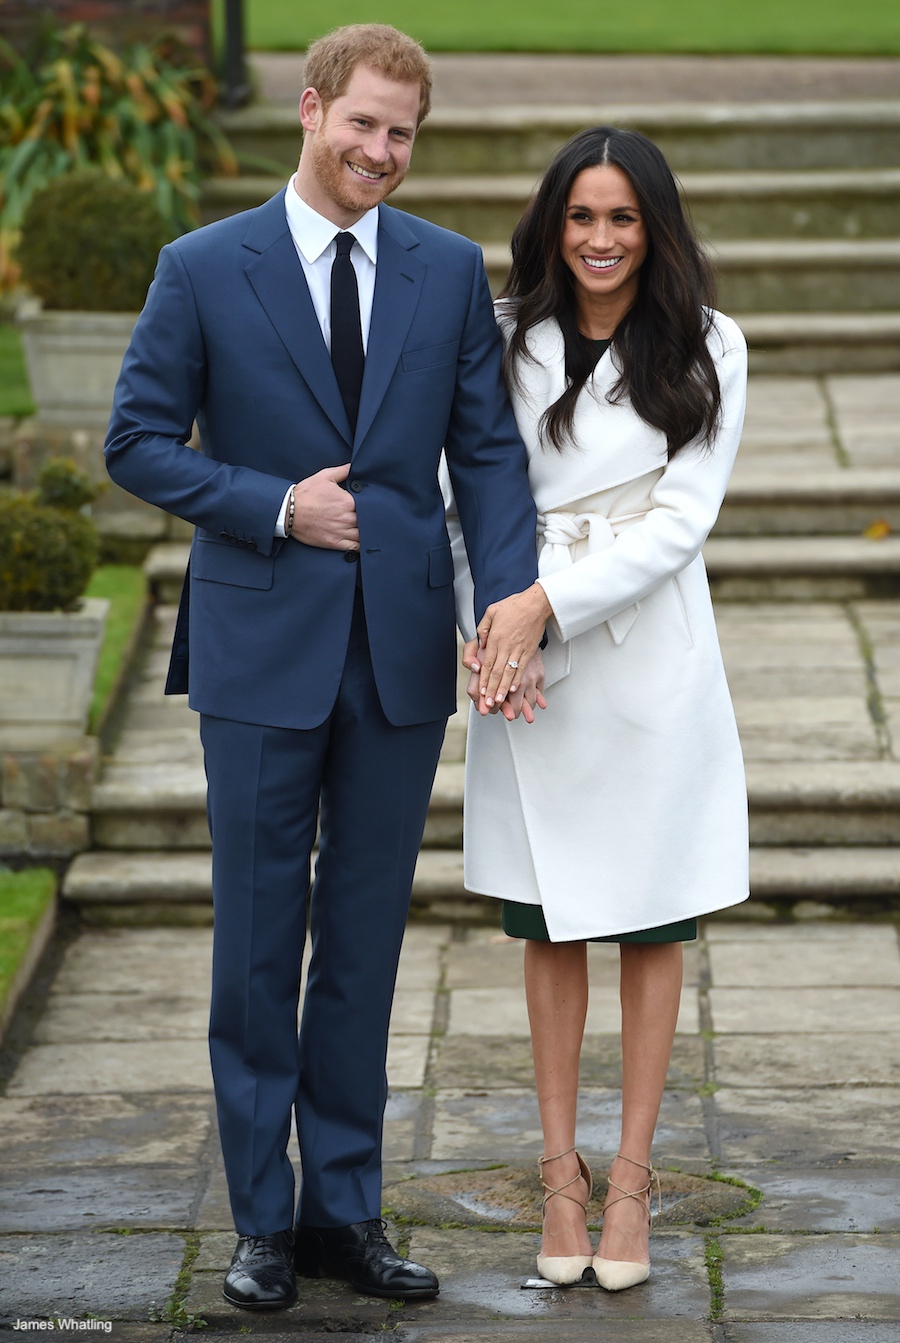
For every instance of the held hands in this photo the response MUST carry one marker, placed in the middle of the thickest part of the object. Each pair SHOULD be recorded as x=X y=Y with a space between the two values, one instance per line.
x=324 y=513
x=508 y=639
x=526 y=696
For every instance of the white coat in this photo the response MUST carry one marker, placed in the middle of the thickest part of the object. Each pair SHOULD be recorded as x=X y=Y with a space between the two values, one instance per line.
x=624 y=805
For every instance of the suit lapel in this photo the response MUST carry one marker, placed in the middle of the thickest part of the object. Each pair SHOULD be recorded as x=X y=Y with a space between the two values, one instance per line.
x=399 y=276
x=275 y=272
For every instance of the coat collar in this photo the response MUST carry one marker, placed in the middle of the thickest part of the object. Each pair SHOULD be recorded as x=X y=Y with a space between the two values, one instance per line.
x=276 y=275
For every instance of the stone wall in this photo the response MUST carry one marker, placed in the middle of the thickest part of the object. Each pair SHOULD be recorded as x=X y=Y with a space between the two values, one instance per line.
x=111 y=21
x=45 y=801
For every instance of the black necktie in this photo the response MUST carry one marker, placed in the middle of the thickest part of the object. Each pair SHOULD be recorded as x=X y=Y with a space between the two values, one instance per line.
x=346 y=330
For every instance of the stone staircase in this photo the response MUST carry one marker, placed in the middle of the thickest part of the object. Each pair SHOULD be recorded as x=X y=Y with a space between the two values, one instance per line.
x=801 y=202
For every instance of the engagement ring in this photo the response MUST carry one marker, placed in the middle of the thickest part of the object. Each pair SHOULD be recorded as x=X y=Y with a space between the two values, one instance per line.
x=514 y=665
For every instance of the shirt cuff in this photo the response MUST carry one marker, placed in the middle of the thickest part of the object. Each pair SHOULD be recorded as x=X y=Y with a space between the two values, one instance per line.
x=279 y=521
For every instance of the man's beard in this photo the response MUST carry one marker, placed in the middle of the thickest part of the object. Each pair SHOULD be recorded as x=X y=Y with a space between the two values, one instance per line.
x=336 y=179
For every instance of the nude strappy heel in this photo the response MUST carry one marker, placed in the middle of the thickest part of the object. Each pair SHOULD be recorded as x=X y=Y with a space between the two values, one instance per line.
x=564 y=1269
x=617 y=1274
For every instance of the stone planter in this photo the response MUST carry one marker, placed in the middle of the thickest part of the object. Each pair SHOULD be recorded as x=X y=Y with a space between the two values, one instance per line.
x=73 y=361
x=48 y=660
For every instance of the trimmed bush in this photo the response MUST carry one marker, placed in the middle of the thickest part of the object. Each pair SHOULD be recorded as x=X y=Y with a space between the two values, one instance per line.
x=90 y=242
x=48 y=547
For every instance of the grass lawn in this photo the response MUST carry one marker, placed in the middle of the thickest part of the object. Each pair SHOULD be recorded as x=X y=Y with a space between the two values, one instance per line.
x=126 y=587
x=15 y=395
x=24 y=897
x=871 y=27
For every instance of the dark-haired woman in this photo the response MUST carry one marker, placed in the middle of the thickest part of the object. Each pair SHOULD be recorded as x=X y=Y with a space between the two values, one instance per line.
x=620 y=814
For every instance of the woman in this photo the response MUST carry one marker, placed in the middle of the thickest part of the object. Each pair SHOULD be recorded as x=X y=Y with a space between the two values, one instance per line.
x=620 y=814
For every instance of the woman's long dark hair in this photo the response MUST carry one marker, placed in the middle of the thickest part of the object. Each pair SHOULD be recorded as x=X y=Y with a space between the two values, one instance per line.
x=667 y=371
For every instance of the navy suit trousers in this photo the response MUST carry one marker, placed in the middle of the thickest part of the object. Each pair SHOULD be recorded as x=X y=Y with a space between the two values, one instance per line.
x=368 y=783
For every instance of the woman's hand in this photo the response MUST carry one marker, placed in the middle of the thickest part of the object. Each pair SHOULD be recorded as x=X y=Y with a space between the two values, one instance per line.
x=527 y=695
x=509 y=635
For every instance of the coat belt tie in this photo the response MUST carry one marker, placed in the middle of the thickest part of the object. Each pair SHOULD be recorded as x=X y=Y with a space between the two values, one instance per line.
x=561 y=531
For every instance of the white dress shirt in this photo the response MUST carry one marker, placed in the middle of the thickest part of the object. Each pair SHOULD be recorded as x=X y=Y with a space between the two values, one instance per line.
x=313 y=237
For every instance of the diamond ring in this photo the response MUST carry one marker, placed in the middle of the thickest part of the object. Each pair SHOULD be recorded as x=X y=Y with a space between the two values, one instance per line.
x=514 y=665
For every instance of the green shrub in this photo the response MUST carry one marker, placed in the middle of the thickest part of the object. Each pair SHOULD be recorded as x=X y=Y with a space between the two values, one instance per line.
x=90 y=242
x=48 y=548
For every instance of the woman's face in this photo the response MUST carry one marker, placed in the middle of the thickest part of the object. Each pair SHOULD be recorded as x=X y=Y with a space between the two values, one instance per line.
x=604 y=240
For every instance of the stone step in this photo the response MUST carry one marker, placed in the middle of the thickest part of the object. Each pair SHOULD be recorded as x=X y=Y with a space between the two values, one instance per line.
x=822 y=342
x=833 y=204
x=158 y=806
x=810 y=502
x=695 y=137
x=741 y=567
x=802 y=568
x=153 y=886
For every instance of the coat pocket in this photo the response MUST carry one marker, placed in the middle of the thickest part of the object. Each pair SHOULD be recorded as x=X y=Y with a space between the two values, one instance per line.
x=221 y=562
x=413 y=361
x=440 y=566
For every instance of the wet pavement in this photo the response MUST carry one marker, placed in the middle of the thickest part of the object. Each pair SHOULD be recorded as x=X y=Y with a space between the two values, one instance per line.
x=778 y=1143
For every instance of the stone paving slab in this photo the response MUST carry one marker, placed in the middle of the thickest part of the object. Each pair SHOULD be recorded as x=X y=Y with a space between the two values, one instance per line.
x=831 y=1059
x=147 y=960
x=823 y=1331
x=811 y=1277
x=72 y=1017
x=481 y=1277
x=584 y=1330
x=151 y=1065
x=831 y=1198
x=332 y=1307
x=95 y=1198
x=103 y=1130
x=816 y=1010
x=76 y=1274
x=792 y=964
x=795 y=1126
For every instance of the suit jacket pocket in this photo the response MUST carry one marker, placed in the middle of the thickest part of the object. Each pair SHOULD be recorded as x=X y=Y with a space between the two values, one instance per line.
x=413 y=361
x=440 y=566
x=223 y=562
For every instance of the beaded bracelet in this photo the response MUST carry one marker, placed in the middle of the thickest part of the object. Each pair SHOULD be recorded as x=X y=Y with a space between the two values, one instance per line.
x=290 y=519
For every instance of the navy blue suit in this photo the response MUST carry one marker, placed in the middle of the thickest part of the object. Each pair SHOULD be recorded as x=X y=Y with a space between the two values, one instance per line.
x=317 y=693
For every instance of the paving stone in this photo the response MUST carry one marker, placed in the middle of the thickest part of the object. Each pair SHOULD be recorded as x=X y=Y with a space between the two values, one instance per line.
x=490 y=1125
x=145 y=960
x=481 y=1274
x=871 y=933
x=833 y=1198
x=413 y=1011
x=103 y=1130
x=107 y=1276
x=823 y=1331
x=407 y=1059
x=811 y=1277
x=36 y=1200
x=104 y=1016
x=584 y=1330
x=502 y=1061
x=420 y=957
x=832 y=1059
x=815 y=1124
x=815 y=963
x=85 y=1069
x=503 y=1011
x=811 y=1010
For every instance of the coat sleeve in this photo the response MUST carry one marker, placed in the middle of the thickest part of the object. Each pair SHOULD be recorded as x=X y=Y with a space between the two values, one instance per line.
x=159 y=392
x=685 y=503
x=487 y=463
x=463 y=584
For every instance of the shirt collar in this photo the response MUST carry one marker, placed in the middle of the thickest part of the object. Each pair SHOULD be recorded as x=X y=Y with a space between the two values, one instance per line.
x=312 y=232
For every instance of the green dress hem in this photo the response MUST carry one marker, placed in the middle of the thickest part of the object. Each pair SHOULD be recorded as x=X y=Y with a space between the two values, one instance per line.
x=527 y=921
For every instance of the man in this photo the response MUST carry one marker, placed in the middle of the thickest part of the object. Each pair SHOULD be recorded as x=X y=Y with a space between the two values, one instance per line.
x=326 y=371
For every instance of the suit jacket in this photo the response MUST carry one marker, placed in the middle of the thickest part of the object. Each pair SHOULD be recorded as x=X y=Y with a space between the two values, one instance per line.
x=229 y=336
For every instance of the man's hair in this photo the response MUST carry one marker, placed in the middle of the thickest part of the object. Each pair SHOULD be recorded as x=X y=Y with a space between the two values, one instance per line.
x=331 y=60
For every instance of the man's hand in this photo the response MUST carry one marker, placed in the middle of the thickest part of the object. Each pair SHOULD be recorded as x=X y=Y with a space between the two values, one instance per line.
x=527 y=696
x=324 y=514
x=509 y=633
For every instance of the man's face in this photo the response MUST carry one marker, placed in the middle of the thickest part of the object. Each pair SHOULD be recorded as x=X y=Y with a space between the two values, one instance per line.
x=357 y=151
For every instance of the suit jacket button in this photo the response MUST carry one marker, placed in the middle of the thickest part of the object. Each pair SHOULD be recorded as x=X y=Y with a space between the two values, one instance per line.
x=356 y=486
x=225 y=536
x=351 y=556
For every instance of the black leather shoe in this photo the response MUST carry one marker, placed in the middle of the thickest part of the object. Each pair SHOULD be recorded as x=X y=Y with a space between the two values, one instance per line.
x=361 y=1254
x=261 y=1276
